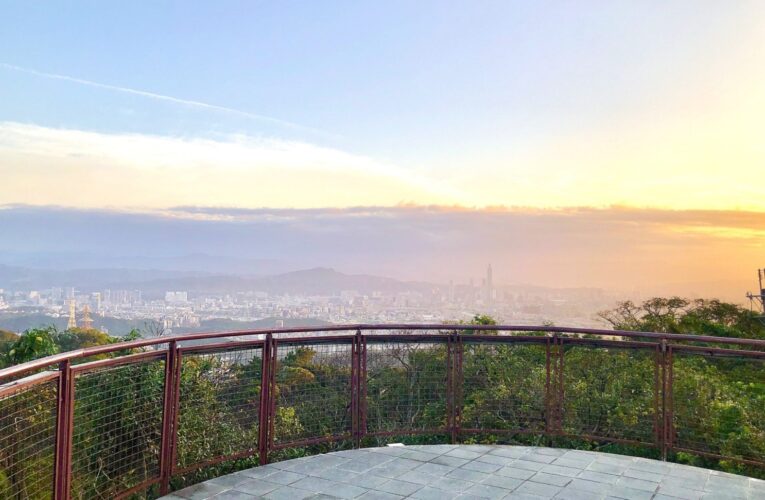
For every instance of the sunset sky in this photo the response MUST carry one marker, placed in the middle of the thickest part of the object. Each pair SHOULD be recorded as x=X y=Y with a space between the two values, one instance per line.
x=646 y=108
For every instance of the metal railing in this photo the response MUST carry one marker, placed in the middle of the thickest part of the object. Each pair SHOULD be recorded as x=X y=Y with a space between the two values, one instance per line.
x=127 y=419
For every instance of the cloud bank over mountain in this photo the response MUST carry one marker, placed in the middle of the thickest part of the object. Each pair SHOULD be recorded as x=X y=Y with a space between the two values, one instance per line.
x=617 y=247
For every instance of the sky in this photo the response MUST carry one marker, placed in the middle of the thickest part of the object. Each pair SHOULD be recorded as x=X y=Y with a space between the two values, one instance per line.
x=484 y=107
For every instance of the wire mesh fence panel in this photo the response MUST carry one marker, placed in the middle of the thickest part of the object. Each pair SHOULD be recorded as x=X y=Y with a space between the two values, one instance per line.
x=117 y=428
x=312 y=391
x=406 y=386
x=218 y=404
x=503 y=387
x=610 y=393
x=719 y=405
x=27 y=442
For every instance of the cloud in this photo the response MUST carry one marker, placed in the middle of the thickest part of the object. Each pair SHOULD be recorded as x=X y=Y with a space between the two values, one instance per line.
x=92 y=169
x=618 y=247
x=166 y=98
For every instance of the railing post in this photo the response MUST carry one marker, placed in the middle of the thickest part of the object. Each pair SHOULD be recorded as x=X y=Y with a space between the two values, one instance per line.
x=265 y=401
x=456 y=385
x=362 y=388
x=561 y=386
x=62 y=472
x=459 y=383
x=548 y=393
x=169 y=417
x=450 y=364
x=355 y=389
x=667 y=399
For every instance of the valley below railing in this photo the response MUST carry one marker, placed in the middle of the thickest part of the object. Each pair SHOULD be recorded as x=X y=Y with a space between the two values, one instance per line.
x=146 y=417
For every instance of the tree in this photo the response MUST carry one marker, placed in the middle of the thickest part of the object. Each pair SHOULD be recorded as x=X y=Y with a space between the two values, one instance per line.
x=33 y=344
x=678 y=315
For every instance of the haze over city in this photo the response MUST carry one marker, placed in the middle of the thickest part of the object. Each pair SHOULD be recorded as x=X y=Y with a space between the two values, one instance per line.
x=613 y=145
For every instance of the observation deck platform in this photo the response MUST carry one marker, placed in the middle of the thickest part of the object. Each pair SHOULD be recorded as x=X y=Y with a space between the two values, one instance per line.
x=442 y=472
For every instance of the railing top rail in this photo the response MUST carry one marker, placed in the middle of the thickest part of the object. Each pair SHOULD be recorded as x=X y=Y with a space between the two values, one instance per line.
x=553 y=330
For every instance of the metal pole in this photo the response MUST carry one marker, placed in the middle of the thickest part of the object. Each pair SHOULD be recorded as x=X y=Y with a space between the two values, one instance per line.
x=64 y=424
x=265 y=401
x=169 y=409
x=548 y=394
x=450 y=367
x=355 y=391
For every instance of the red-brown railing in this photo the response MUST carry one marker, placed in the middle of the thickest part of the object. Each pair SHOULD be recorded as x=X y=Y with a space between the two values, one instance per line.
x=126 y=419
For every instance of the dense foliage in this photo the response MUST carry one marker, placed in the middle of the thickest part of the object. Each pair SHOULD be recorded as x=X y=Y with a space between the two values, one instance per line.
x=509 y=394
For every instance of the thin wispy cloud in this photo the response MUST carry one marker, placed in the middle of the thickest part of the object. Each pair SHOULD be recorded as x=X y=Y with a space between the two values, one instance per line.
x=167 y=98
x=236 y=170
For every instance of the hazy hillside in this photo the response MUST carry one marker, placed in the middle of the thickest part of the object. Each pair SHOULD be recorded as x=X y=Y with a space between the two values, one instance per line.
x=119 y=327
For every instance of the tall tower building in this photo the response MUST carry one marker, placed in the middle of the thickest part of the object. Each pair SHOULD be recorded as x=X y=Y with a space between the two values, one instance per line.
x=489 y=284
x=72 y=323
x=86 y=322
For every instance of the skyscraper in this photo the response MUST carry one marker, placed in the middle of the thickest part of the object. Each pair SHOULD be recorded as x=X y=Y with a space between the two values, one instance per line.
x=489 y=285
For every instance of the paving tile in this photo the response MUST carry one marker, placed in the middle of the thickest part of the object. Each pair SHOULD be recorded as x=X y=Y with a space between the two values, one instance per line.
x=399 y=467
x=555 y=452
x=679 y=492
x=509 y=451
x=638 y=484
x=481 y=466
x=525 y=464
x=539 y=489
x=480 y=472
x=591 y=486
x=315 y=484
x=399 y=487
x=285 y=477
x=441 y=448
x=259 y=472
x=538 y=457
x=451 y=484
x=651 y=466
x=434 y=469
x=561 y=471
x=644 y=475
x=258 y=487
x=469 y=475
x=464 y=453
x=576 y=463
x=515 y=473
x=342 y=490
x=598 y=477
x=607 y=468
x=495 y=459
x=509 y=483
x=479 y=448
x=486 y=491
x=621 y=491
x=569 y=494
x=430 y=493
x=201 y=491
x=379 y=495
x=230 y=480
x=451 y=461
x=553 y=479
x=369 y=480
x=420 y=456
x=234 y=495
x=288 y=493
x=335 y=474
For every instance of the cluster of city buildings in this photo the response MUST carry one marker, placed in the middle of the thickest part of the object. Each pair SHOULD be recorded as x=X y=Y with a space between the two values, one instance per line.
x=183 y=310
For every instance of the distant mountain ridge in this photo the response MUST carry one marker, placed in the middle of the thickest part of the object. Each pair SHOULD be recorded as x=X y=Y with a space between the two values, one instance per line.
x=315 y=281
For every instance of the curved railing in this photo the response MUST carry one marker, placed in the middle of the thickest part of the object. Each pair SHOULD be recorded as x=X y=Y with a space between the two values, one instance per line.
x=144 y=417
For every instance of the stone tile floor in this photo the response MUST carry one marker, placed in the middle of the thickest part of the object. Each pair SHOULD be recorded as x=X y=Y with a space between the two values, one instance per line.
x=442 y=472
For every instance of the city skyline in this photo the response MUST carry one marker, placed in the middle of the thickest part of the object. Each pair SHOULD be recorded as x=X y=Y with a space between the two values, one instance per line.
x=570 y=144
